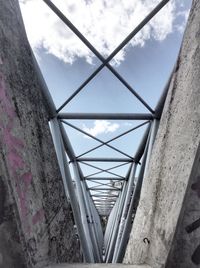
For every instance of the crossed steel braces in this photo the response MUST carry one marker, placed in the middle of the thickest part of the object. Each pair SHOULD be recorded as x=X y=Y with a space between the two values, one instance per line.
x=115 y=197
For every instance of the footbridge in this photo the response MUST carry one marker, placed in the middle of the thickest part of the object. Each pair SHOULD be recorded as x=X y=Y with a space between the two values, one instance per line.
x=135 y=208
x=110 y=197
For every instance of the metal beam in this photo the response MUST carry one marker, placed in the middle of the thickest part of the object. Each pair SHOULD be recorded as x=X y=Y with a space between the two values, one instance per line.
x=101 y=195
x=69 y=189
x=99 y=183
x=129 y=192
x=161 y=101
x=105 y=62
x=132 y=207
x=142 y=144
x=103 y=202
x=103 y=189
x=105 y=116
x=105 y=179
x=89 y=159
x=95 y=138
x=104 y=170
x=113 y=139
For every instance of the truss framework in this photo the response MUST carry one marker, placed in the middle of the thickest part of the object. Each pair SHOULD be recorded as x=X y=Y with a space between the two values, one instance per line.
x=113 y=198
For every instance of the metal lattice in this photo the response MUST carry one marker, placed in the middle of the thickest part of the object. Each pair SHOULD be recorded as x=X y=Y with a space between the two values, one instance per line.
x=113 y=198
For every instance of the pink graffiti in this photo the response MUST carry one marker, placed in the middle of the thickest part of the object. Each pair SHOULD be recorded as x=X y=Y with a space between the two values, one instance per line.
x=11 y=140
x=8 y=109
x=15 y=160
x=15 y=157
x=39 y=215
x=27 y=178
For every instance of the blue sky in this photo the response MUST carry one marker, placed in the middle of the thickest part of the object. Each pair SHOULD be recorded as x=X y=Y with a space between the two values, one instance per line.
x=146 y=62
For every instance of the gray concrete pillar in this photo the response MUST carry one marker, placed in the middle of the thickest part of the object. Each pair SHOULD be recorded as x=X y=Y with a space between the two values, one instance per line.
x=169 y=209
x=36 y=227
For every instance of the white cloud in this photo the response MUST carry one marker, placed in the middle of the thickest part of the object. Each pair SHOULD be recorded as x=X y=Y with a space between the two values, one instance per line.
x=101 y=127
x=104 y=23
x=184 y=16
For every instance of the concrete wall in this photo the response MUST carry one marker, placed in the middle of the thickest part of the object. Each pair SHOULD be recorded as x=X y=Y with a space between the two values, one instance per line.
x=36 y=226
x=170 y=195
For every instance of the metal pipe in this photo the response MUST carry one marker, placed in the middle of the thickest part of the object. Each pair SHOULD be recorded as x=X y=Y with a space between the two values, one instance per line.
x=130 y=185
x=115 y=138
x=161 y=101
x=104 y=184
x=83 y=210
x=110 y=226
x=142 y=144
x=105 y=178
x=106 y=116
x=96 y=224
x=69 y=188
x=109 y=255
x=97 y=253
x=104 y=170
x=89 y=159
x=104 y=189
x=106 y=61
x=93 y=137
x=68 y=147
x=99 y=195
x=132 y=207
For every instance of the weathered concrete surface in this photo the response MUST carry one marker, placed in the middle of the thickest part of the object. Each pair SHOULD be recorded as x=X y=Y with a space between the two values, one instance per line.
x=36 y=228
x=96 y=265
x=174 y=169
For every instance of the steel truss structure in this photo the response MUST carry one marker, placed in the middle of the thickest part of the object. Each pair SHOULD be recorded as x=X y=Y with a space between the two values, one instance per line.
x=112 y=198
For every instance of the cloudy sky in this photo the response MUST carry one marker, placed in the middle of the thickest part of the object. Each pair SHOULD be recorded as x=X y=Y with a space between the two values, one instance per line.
x=104 y=23
x=145 y=62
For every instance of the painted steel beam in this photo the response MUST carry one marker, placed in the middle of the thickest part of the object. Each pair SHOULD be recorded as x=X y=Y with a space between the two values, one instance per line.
x=88 y=159
x=99 y=195
x=69 y=188
x=104 y=170
x=105 y=179
x=113 y=139
x=104 y=189
x=132 y=207
x=105 y=62
x=95 y=138
x=105 y=116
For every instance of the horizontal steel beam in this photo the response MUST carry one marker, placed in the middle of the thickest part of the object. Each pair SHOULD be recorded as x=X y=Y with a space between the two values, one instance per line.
x=104 y=206
x=104 y=61
x=107 y=198
x=101 y=195
x=88 y=159
x=95 y=138
x=115 y=138
x=105 y=179
x=105 y=209
x=103 y=202
x=106 y=116
x=104 y=189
